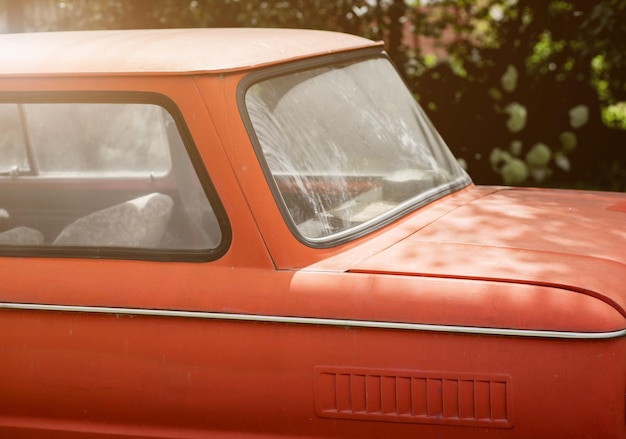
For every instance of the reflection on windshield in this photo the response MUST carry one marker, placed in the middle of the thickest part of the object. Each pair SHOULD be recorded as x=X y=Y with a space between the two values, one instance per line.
x=348 y=145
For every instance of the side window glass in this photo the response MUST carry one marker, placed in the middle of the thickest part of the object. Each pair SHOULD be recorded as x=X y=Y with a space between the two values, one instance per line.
x=13 y=157
x=107 y=178
x=130 y=138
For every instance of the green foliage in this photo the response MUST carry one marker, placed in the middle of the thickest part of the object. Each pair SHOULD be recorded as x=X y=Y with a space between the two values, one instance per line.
x=615 y=115
x=545 y=77
x=524 y=91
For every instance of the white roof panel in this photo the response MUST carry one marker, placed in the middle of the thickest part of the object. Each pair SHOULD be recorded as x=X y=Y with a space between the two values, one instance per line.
x=164 y=50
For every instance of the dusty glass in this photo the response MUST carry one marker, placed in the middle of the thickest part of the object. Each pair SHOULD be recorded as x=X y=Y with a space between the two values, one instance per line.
x=348 y=146
x=99 y=175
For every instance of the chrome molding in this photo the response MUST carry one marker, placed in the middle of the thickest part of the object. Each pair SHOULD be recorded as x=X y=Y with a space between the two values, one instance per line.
x=316 y=321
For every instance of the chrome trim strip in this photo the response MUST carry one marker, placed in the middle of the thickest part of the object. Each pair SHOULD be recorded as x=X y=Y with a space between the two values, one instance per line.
x=317 y=321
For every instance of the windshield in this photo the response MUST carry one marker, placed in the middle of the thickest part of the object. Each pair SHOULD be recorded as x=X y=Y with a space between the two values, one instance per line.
x=348 y=147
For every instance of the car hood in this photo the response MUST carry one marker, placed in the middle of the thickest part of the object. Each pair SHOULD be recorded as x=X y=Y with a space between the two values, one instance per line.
x=565 y=239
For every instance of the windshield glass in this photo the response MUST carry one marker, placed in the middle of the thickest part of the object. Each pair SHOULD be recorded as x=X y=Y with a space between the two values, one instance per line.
x=347 y=147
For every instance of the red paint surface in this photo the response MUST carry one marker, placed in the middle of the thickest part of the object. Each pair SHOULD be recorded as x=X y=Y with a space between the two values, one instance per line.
x=512 y=259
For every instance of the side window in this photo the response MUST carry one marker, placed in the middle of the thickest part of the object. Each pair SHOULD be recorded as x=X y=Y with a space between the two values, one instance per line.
x=12 y=149
x=101 y=179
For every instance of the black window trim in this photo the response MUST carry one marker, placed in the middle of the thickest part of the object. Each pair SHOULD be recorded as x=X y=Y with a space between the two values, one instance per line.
x=126 y=253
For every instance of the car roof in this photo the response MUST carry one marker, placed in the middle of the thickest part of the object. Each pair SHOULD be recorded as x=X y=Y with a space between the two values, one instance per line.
x=164 y=50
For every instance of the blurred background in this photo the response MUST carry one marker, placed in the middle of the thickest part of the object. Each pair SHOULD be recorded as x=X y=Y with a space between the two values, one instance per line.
x=525 y=92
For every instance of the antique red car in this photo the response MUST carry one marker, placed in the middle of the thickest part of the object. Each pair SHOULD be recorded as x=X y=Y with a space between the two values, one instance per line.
x=258 y=233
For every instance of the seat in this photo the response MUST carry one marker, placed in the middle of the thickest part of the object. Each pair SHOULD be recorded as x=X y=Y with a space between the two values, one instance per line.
x=21 y=236
x=138 y=223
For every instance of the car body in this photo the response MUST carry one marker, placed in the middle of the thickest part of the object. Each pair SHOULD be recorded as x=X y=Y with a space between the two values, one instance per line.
x=257 y=233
